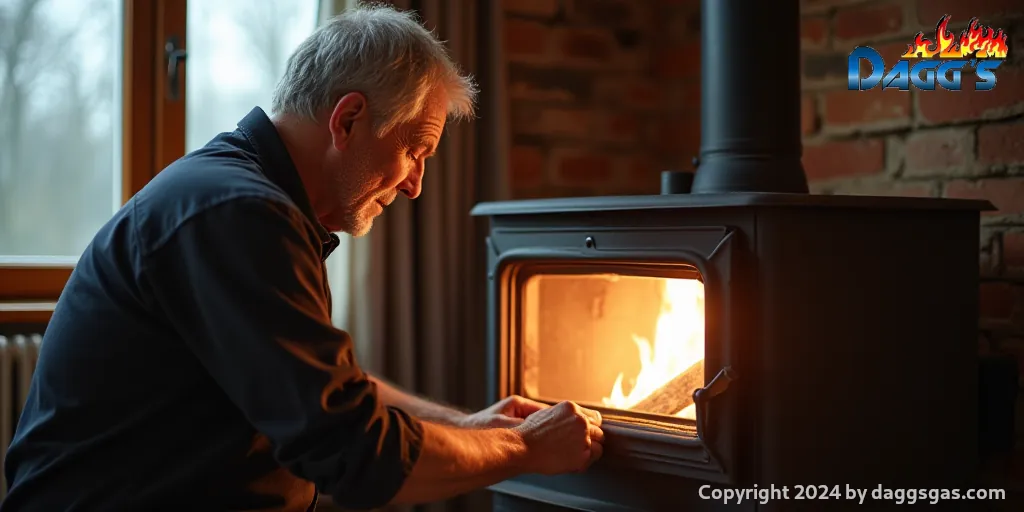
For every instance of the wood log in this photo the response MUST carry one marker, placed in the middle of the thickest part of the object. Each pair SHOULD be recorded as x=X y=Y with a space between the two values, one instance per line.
x=676 y=394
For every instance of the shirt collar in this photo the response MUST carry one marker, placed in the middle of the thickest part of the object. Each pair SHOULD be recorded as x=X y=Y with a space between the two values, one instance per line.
x=278 y=167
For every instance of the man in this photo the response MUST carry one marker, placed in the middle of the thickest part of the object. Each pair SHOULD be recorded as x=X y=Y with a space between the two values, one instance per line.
x=191 y=363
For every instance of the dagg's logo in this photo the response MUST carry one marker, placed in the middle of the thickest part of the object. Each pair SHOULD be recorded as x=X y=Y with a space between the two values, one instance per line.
x=941 y=61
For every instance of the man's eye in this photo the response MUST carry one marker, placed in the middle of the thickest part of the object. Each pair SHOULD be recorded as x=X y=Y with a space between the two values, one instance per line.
x=412 y=156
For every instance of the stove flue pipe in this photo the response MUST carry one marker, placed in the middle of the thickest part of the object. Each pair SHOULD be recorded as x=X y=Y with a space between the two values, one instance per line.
x=750 y=97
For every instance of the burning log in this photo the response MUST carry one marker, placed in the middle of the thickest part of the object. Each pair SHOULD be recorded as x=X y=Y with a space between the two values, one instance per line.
x=675 y=395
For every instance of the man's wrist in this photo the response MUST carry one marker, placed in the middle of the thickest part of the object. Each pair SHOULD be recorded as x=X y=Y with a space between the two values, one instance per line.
x=418 y=406
x=517 y=449
x=443 y=414
x=460 y=418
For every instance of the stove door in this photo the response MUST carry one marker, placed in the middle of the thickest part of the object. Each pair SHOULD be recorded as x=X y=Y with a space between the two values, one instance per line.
x=640 y=333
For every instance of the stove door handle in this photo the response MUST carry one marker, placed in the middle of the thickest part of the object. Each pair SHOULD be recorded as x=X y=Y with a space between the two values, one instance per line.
x=701 y=396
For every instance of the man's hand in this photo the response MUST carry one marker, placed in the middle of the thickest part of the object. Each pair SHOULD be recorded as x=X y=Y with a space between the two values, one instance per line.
x=565 y=438
x=509 y=412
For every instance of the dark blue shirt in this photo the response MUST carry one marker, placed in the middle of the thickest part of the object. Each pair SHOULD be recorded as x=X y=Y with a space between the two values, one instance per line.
x=191 y=363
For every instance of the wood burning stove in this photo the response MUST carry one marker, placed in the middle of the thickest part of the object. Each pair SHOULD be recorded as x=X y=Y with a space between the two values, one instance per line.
x=742 y=339
x=743 y=333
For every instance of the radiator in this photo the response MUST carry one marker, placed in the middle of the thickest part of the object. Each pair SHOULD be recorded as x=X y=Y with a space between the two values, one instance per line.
x=18 y=355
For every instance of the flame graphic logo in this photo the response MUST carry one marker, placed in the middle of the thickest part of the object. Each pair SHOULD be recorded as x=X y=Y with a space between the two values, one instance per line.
x=976 y=41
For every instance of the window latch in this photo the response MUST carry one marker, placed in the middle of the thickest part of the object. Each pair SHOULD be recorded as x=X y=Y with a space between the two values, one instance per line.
x=175 y=56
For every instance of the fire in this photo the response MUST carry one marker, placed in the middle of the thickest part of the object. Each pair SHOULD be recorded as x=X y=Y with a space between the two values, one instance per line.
x=977 y=41
x=678 y=344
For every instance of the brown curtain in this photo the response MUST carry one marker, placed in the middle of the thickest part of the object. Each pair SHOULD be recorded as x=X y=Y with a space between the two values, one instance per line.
x=419 y=315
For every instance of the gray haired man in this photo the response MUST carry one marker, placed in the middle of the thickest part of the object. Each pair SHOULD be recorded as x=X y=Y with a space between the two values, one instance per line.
x=191 y=363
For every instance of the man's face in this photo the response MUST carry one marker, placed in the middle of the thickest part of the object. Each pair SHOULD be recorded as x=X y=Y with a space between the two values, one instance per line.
x=362 y=173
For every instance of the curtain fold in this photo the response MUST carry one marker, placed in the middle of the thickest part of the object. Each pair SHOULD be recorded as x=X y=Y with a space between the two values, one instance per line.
x=413 y=291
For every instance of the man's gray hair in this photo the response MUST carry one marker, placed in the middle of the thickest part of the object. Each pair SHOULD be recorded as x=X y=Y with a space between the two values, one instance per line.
x=380 y=52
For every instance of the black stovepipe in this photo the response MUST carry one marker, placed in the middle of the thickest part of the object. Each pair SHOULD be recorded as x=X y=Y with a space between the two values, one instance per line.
x=750 y=91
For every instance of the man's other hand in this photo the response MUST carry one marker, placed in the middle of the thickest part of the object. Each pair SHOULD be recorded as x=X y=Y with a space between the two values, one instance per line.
x=565 y=438
x=508 y=412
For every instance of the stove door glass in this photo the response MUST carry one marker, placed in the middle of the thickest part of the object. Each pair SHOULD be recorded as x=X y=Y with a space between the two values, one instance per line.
x=613 y=341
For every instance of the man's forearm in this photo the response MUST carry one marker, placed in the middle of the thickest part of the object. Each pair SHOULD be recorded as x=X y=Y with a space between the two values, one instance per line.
x=419 y=407
x=454 y=461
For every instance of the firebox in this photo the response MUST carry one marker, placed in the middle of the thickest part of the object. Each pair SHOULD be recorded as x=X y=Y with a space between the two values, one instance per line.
x=736 y=331
x=574 y=322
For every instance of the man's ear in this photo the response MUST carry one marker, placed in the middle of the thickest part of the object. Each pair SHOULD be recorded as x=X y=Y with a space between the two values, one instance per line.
x=350 y=111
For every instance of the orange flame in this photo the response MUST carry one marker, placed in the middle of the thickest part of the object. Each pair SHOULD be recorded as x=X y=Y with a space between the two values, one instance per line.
x=678 y=343
x=977 y=41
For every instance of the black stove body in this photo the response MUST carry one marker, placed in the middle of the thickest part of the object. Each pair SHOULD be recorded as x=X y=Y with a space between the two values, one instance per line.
x=840 y=344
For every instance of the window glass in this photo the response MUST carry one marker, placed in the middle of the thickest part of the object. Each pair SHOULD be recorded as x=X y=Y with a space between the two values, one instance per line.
x=60 y=122
x=237 y=51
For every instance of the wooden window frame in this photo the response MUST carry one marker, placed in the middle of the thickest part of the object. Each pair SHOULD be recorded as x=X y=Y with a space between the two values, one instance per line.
x=153 y=127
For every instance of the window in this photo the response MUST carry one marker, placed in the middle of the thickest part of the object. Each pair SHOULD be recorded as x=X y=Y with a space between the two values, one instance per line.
x=238 y=50
x=58 y=89
x=83 y=125
x=95 y=100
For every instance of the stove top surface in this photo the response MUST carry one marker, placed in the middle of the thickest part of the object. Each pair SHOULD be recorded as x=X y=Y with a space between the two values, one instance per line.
x=727 y=200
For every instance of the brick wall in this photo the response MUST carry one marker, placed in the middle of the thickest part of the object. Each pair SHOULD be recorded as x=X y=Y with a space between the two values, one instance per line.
x=605 y=94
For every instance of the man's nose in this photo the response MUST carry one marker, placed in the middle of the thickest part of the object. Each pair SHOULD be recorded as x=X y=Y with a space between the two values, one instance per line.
x=413 y=184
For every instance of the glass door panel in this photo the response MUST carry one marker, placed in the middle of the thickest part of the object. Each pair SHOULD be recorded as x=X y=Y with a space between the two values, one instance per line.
x=619 y=341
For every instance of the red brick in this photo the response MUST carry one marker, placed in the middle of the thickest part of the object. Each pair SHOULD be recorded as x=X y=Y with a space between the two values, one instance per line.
x=678 y=135
x=1013 y=249
x=1007 y=194
x=682 y=97
x=868 y=21
x=537 y=83
x=587 y=44
x=889 y=189
x=844 y=108
x=559 y=122
x=607 y=13
x=641 y=93
x=813 y=32
x=572 y=122
x=670 y=26
x=1016 y=42
x=844 y=158
x=827 y=3
x=526 y=166
x=585 y=169
x=620 y=127
x=642 y=169
x=535 y=8
x=680 y=61
x=937 y=149
x=550 y=191
x=930 y=11
x=996 y=301
x=1005 y=99
x=525 y=37
x=808 y=115
x=628 y=92
x=1001 y=143
x=908 y=190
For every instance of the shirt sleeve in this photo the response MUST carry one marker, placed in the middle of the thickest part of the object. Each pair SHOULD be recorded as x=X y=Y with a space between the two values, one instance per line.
x=242 y=284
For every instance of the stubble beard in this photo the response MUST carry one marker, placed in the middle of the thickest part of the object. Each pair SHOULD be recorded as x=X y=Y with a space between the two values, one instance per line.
x=360 y=225
x=353 y=181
